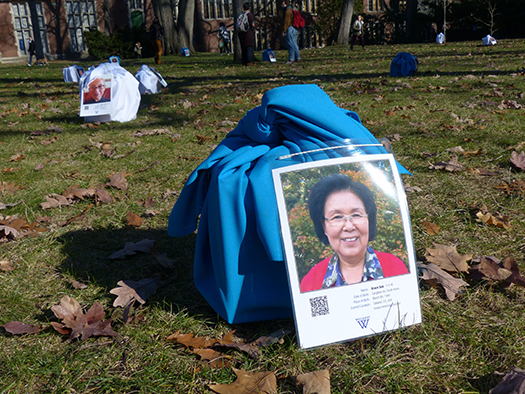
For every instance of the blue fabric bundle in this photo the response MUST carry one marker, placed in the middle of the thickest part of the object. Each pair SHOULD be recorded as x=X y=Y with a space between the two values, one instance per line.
x=404 y=64
x=239 y=267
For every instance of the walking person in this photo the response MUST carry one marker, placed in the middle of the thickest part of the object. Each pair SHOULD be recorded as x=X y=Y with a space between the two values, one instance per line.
x=138 y=50
x=156 y=32
x=358 y=32
x=246 y=35
x=290 y=33
x=32 y=50
x=224 y=39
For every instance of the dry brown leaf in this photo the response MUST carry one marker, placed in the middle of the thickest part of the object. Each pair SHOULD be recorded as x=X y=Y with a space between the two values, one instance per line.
x=6 y=265
x=18 y=328
x=249 y=383
x=6 y=188
x=496 y=219
x=17 y=157
x=515 y=187
x=103 y=195
x=79 y=285
x=55 y=200
x=76 y=323
x=131 y=248
x=431 y=228
x=433 y=275
x=456 y=149
x=134 y=220
x=448 y=258
x=118 y=180
x=130 y=290
x=8 y=233
x=452 y=165
x=412 y=189
x=163 y=260
x=191 y=341
x=512 y=383
x=518 y=159
x=317 y=382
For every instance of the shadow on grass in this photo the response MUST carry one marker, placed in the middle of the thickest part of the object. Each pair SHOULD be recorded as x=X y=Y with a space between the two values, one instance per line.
x=88 y=261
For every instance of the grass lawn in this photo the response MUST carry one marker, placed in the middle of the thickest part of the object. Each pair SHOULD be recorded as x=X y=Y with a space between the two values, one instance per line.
x=464 y=95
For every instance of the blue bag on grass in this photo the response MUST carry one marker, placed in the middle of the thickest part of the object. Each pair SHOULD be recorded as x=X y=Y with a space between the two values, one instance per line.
x=239 y=260
x=268 y=56
x=404 y=64
x=185 y=52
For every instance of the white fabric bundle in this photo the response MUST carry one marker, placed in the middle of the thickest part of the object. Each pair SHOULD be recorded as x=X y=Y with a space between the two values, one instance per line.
x=440 y=38
x=489 y=40
x=125 y=95
x=150 y=81
x=72 y=73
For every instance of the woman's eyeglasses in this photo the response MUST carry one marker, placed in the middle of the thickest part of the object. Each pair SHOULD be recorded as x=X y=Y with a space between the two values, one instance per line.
x=339 y=220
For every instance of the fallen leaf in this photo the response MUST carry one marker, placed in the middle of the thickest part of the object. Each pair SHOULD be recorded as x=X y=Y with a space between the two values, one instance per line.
x=518 y=159
x=79 y=285
x=412 y=189
x=433 y=275
x=448 y=258
x=118 y=181
x=39 y=167
x=512 y=383
x=249 y=383
x=163 y=260
x=496 y=219
x=17 y=157
x=130 y=290
x=133 y=219
x=6 y=265
x=17 y=328
x=451 y=165
x=76 y=323
x=7 y=188
x=431 y=228
x=317 y=382
x=131 y=248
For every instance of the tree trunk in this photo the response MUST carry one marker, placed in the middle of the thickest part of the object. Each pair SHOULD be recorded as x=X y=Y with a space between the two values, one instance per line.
x=36 y=30
x=56 y=30
x=411 y=12
x=107 y=18
x=164 y=12
x=237 y=10
x=185 y=24
x=345 y=22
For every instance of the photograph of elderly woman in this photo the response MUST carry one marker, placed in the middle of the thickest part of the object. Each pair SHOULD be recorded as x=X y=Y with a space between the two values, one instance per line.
x=345 y=223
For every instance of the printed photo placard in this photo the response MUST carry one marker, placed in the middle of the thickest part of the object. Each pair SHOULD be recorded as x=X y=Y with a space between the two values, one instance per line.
x=95 y=97
x=349 y=249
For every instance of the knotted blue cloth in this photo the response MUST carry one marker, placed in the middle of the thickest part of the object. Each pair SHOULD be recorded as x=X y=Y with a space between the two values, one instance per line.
x=239 y=267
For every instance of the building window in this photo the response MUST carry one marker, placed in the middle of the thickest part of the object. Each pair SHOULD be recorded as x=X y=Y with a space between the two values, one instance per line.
x=81 y=16
x=217 y=9
x=24 y=29
x=375 y=5
x=136 y=13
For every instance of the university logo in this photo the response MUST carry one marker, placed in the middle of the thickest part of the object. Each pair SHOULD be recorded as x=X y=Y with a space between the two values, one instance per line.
x=363 y=321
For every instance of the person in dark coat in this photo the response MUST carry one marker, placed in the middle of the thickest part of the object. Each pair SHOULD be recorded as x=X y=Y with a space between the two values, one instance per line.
x=32 y=51
x=156 y=32
x=247 y=38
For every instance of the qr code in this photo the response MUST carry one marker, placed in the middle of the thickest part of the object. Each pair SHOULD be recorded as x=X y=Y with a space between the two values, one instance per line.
x=319 y=306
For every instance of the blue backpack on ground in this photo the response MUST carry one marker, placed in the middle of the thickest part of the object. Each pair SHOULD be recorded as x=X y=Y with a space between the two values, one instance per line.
x=404 y=64
x=268 y=56
x=185 y=52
